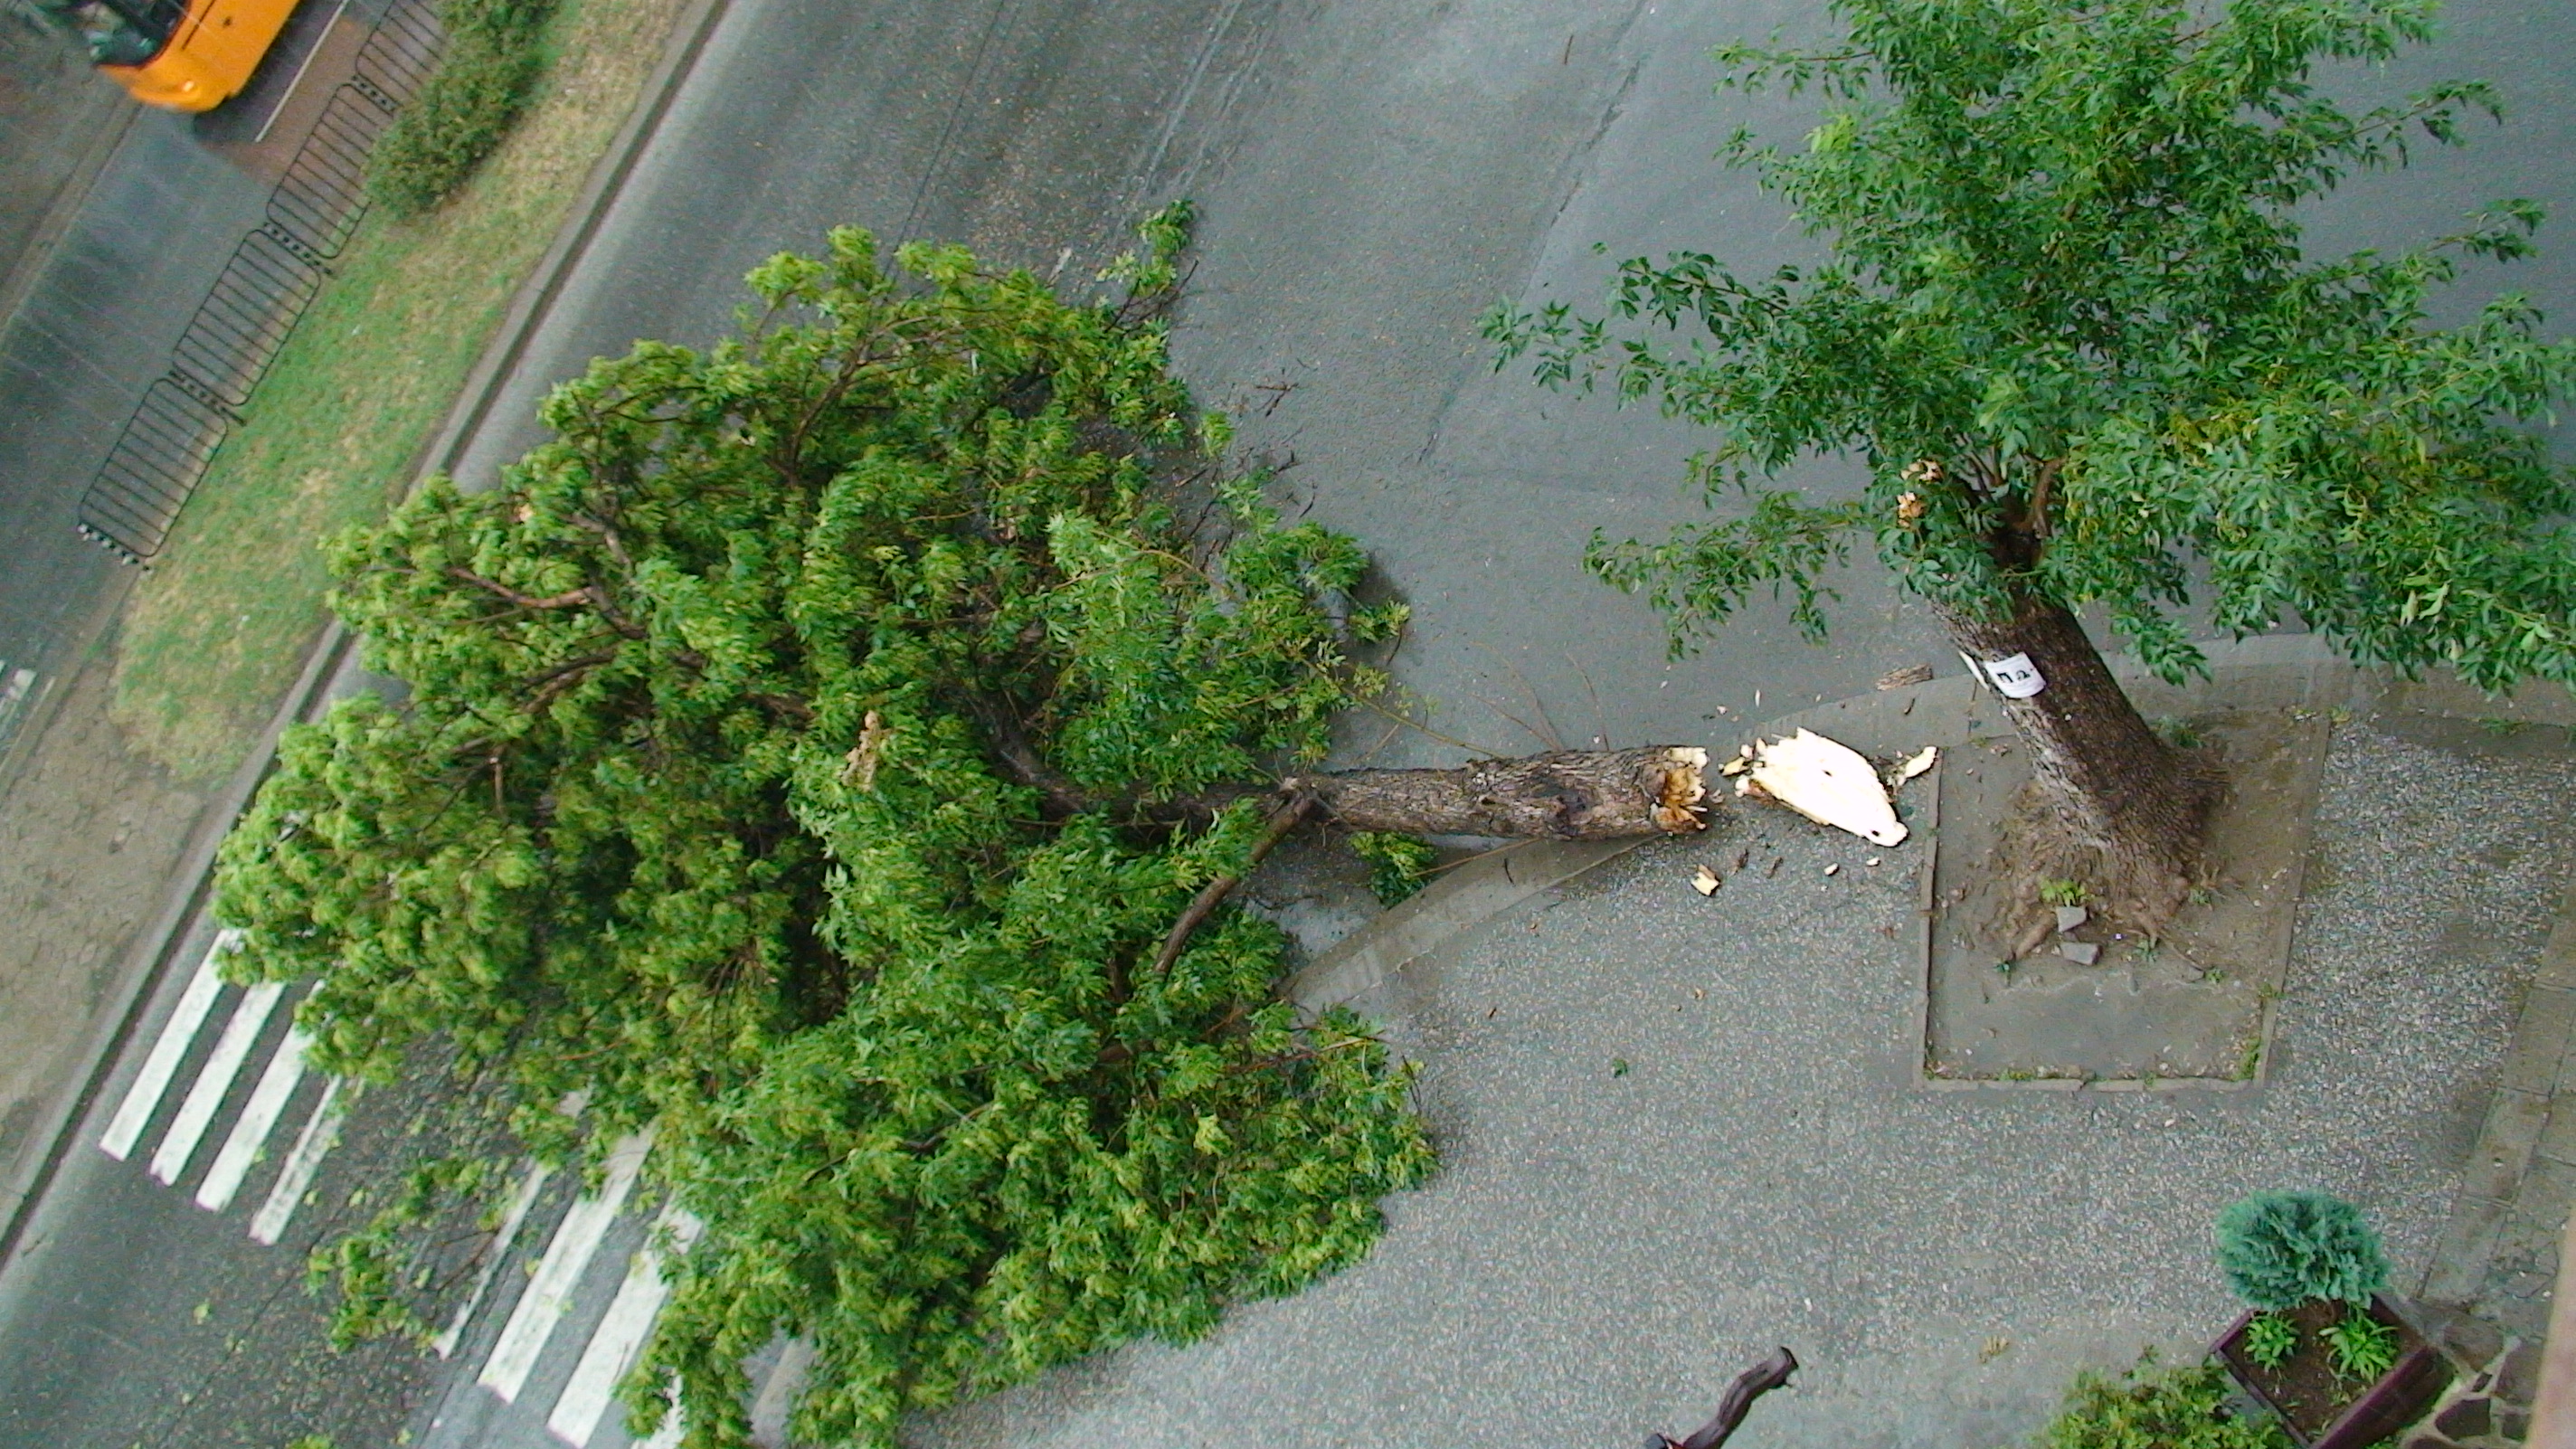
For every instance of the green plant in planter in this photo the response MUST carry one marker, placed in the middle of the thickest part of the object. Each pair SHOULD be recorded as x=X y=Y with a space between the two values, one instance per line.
x=2157 y=1408
x=2359 y=1346
x=2270 y=1339
x=2280 y=1250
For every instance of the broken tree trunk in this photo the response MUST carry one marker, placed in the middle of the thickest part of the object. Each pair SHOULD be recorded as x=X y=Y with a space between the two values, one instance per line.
x=2108 y=779
x=1560 y=795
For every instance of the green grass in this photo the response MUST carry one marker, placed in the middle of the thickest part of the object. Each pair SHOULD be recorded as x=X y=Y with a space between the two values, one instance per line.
x=214 y=636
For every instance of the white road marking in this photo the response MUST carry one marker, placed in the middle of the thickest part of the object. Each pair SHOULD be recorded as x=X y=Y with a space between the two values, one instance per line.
x=242 y=1146
x=177 y=1035
x=776 y=1400
x=542 y=1302
x=321 y=1133
x=668 y=1436
x=13 y=695
x=613 y=1345
x=215 y=1079
x=493 y=1257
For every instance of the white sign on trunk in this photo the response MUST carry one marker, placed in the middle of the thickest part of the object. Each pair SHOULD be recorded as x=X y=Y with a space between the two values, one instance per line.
x=2014 y=678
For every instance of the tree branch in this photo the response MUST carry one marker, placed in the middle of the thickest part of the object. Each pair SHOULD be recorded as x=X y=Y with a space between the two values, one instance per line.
x=1290 y=813
x=495 y=587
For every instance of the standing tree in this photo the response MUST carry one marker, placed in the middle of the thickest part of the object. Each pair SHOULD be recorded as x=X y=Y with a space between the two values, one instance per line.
x=2068 y=329
x=832 y=754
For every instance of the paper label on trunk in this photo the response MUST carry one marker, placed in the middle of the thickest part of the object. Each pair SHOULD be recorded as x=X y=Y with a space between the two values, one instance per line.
x=2015 y=677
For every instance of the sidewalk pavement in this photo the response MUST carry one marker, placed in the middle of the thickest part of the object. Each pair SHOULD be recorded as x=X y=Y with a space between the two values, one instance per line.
x=1677 y=1130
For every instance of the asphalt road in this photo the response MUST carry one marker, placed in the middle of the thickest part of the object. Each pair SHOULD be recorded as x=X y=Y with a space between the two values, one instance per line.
x=95 y=330
x=1373 y=174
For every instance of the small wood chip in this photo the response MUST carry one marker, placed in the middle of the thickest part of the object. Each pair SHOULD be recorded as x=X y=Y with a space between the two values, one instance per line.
x=1834 y=868
x=1910 y=674
x=1705 y=882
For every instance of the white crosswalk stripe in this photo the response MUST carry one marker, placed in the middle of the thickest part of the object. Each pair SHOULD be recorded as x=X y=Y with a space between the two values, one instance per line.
x=321 y=1133
x=584 y=1403
x=214 y=1080
x=776 y=1401
x=613 y=1344
x=249 y=1137
x=666 y=1437
x=541 y=1304
x=177 y=1034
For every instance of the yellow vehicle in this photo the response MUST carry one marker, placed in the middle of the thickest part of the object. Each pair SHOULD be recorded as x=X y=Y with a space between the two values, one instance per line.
x=184 y=55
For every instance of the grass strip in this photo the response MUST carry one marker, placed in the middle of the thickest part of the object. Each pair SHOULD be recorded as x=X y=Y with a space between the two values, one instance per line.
x=213 y=637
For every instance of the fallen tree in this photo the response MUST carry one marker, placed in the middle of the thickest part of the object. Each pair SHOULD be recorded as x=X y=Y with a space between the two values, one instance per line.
x=834 y=752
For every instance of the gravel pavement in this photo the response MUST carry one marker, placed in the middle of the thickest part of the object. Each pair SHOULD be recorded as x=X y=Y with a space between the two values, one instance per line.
x=1602 y=1250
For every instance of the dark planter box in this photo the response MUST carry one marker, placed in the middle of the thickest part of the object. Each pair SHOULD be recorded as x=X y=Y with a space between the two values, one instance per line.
x=2350 y=1416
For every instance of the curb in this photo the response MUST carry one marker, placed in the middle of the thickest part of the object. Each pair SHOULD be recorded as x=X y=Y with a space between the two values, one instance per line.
x=2511 y=1132
x=329 y=667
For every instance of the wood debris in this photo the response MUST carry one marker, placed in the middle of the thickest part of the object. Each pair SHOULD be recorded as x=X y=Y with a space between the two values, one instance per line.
x=1825 y=780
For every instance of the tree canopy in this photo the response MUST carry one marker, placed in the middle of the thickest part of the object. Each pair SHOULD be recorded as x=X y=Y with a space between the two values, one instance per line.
x=805 y=754
x=2067 y=327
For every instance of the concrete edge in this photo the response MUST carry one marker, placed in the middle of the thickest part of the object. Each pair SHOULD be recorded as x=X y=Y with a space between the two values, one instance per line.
x=148 y=960
x=1927 y=898
x=1461 y=900
x=2516 y=1114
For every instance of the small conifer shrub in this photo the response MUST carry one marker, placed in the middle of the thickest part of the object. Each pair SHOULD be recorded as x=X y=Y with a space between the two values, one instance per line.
x=2282 y=1249
x=494 y=58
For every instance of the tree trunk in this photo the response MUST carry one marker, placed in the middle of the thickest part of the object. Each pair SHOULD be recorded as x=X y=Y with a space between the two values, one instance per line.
x=2115 y=786
x=1561 y=795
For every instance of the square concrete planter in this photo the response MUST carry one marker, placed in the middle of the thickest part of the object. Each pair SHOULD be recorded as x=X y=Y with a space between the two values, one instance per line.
x=2324 y=1412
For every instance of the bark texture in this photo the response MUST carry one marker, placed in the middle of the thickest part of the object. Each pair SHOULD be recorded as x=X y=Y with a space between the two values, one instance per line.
x=2115 y=786
x=1560 y=795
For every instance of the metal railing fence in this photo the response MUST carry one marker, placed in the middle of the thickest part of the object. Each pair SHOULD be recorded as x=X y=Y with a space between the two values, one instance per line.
x=255 y=302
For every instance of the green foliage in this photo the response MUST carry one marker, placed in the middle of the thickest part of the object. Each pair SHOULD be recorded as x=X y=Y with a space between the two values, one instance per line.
x=377 y=1273
x=2063 y=893
x=2180 y=733
x=2067 y=329
x=1399 y=865
x=2156 y=1408
x=494 y=57
x=2279 y=1250
x=2360 y=1346
x=2270 y=1339
x=806 y=753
